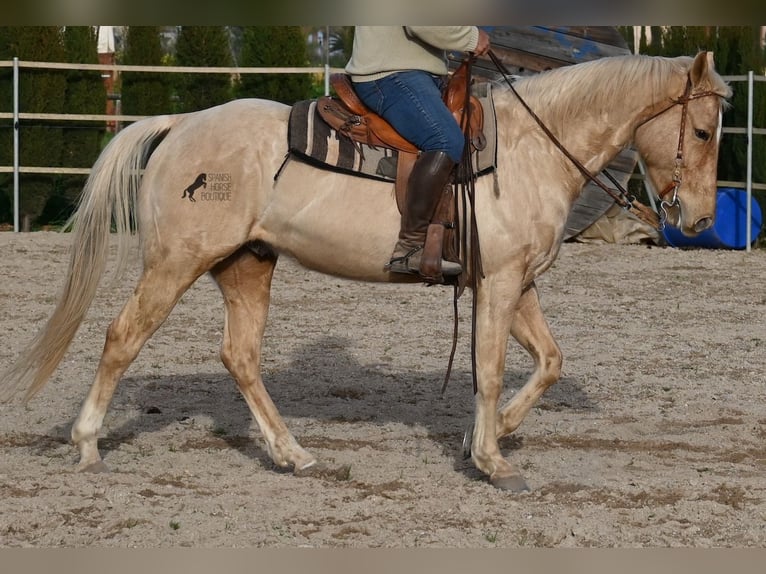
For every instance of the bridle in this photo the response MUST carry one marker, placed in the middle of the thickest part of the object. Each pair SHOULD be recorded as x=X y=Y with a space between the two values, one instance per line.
x=675 y=182
x=621 y=196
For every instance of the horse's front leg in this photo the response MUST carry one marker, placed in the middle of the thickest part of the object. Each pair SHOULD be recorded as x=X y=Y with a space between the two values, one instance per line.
x=496 y=300
x=531 y=330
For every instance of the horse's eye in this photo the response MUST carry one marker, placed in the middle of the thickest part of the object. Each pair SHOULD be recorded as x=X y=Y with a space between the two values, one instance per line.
x=702 y=134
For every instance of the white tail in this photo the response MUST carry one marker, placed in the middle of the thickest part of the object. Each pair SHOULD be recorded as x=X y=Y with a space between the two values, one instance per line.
x=107 y=198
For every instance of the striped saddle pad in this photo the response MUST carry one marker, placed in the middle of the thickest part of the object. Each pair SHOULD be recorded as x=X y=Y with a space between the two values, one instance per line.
x=312 y=140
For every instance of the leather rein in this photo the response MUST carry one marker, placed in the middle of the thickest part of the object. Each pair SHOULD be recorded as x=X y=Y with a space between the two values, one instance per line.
x=623 y=198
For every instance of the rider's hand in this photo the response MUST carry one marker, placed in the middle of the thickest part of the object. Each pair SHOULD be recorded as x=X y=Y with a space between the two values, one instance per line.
x=482 y=46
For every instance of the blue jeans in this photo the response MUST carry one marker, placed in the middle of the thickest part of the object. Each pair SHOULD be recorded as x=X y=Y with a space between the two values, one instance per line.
x=412 y=103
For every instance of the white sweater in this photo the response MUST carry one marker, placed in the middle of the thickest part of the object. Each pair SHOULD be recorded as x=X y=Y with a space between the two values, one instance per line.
x=382 y=50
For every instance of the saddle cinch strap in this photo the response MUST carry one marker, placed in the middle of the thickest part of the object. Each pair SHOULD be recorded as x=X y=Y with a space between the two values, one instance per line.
x=349 y=116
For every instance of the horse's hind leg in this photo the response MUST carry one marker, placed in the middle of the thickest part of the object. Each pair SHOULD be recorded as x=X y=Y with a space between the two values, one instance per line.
x=149 y=305
x=245 y=281
x=531 y=330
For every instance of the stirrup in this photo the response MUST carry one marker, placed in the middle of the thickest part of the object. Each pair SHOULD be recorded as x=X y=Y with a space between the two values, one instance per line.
x=402 y=264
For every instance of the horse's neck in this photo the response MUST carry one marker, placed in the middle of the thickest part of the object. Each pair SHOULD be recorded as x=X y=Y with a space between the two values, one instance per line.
x=590 y=139
x=593 y=126
x=593 y=118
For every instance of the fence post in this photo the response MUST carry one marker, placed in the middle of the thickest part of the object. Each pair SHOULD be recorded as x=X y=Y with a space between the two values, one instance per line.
x=749 y=178
x=16 y=144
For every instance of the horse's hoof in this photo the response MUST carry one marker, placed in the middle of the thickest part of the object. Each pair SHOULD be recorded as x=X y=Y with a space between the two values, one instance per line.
x=97 y=467
x=467 y=440
x=319 y=470
x=515 y=483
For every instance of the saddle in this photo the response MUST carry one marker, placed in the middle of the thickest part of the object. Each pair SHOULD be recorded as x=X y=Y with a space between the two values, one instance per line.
x=349 y=116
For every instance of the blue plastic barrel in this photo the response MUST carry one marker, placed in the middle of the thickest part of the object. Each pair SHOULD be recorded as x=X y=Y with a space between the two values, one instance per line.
x=730 y=228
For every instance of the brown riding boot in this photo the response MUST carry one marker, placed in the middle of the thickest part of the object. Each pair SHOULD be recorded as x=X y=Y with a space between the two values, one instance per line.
x=430 y=174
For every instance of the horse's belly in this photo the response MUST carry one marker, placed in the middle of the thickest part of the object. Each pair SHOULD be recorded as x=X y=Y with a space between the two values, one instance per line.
x=336 y=224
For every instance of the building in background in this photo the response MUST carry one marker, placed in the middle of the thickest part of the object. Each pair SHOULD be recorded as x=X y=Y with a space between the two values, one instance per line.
x=107 y=56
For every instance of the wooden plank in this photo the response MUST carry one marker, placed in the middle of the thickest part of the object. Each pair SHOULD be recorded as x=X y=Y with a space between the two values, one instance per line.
x=530 y=49
x=594 y=201
x=608 y=35
x=560 y=44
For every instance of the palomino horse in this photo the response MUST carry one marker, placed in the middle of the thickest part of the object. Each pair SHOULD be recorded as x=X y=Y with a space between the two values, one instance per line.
x=346 y=226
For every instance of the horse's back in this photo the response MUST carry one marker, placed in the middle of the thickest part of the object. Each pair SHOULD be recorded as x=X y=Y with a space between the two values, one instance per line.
x=234 y=121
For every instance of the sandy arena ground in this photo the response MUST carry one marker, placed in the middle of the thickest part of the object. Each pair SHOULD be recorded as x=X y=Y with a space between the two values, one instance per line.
x=653 y=437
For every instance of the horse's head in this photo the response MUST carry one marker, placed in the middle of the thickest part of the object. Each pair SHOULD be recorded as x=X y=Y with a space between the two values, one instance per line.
x=679 y=144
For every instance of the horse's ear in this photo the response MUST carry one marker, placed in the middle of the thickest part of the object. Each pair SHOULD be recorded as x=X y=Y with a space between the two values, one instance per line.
x=701 y=67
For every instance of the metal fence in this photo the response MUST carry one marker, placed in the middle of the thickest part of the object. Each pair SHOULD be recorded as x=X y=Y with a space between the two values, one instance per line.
x=747 y=183
x=117 y=119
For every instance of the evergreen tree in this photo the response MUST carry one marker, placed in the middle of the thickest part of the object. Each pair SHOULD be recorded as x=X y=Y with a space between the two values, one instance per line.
x=627 y=34
x=145 y=93
x=7 y=52
x=673 y=42
x=654 y=46
x=737 y=52
x=85 y=94
x=203 y=46
x=643 y=46
x=40 y=91
x=279 y=46
x=687 y=40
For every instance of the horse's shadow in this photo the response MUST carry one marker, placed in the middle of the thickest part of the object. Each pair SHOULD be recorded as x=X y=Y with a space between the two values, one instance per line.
x=322 y=382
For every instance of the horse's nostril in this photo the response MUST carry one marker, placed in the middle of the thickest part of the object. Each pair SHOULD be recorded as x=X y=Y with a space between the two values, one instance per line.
x=703 y=224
